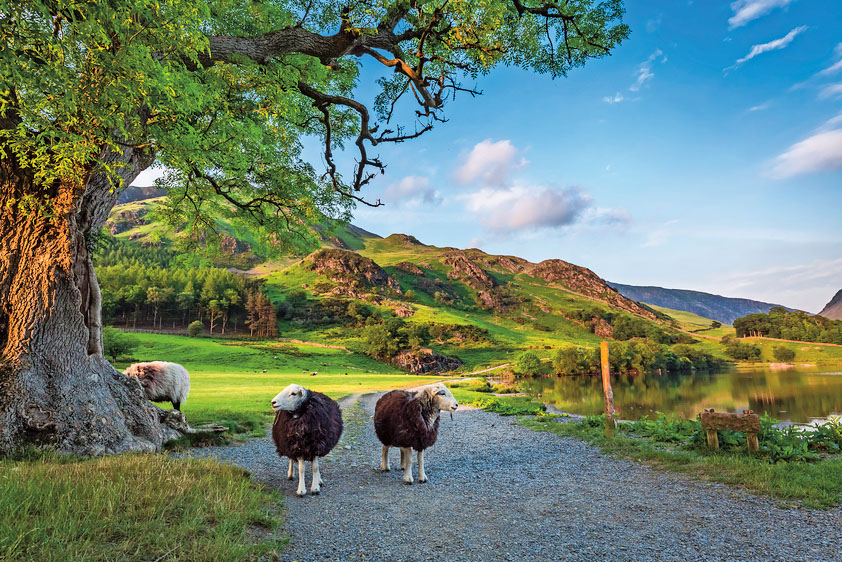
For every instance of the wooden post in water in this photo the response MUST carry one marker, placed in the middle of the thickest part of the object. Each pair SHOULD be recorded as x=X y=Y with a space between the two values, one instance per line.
x=609 y=394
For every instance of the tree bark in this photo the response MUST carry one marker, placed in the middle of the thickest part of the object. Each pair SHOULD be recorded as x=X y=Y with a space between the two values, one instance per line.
x=56 y=388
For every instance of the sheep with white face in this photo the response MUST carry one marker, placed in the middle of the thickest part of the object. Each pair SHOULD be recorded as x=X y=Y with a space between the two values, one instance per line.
x=409 y=419
x=307 y=426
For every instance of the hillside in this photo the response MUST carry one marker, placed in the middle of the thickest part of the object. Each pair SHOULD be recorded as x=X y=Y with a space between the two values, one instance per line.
x=707 y=305
x=417 y=306
x=833 y=309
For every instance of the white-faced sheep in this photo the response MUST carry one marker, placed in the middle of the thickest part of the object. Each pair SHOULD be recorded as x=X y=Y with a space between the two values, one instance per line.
x=409 y=419
x=162 y=381
x=307 y=426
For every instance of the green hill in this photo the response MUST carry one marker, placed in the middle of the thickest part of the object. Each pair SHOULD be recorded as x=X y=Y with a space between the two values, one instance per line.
x=357 y=289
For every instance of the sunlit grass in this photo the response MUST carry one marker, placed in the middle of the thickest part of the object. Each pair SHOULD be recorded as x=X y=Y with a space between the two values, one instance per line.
x=134 y=507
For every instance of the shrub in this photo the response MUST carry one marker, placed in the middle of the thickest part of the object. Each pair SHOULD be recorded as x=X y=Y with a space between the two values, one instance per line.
x=195 y=329
x=783 y=354
x=115 y=342
x=529 y=364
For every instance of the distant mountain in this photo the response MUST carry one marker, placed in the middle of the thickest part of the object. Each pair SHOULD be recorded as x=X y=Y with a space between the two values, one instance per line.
x=135 y=193
x=833 y=309
x=716 y=307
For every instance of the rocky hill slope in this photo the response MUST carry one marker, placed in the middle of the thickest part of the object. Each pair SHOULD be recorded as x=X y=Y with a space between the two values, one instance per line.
x=833 y=309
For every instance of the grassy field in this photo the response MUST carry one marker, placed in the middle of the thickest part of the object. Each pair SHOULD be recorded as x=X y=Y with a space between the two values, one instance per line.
x=690 y=322
x=151 y=507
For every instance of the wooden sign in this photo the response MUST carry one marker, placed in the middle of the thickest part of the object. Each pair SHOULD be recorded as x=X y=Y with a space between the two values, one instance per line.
x=747 y=422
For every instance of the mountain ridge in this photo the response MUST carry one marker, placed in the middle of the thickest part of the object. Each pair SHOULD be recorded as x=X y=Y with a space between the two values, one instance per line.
x=708 y=305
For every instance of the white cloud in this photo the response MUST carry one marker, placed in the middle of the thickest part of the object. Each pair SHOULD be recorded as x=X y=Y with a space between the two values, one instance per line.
x=412 y=188
x=761 y=107
x=837 y=66
x=653 y=24
x=809 y=285
x=520 y=208
x=492 y=163
x=616 y=98
x=775 y=45
x=831 y=91
x=659 y=235
x=821 y=152
x=644 y=72
x=749 y=10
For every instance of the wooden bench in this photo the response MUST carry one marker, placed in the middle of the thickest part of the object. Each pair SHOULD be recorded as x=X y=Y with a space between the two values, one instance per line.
x=748 y=422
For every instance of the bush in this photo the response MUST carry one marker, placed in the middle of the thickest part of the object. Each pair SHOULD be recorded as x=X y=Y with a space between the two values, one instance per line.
x=115 y=342
x=783 y=354
x=529 y=364
x=195 y=329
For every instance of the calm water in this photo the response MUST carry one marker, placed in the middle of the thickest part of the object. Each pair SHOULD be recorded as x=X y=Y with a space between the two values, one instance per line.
x=800 y=395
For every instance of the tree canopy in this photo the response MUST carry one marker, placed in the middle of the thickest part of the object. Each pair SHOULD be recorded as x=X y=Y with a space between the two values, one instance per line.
x=222 y=93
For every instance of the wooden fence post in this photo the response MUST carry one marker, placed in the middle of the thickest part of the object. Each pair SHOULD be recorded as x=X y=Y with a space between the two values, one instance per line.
x=609 y=394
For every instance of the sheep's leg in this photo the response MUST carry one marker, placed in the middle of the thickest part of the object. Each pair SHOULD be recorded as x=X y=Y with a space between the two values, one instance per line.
x=407 y=475
x=302 y=487
x=317 y=477
x=384 y=461
x=177 y=405
x=290 y=471
x=422 y=476
x=403 y=459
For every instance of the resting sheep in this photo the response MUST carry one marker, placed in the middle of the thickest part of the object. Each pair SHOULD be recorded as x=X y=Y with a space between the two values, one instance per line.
x=409 y=419
x=307 y=426
x=162 y=381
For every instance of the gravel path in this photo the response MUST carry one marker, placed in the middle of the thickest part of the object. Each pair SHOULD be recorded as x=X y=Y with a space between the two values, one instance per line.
x=497 y=491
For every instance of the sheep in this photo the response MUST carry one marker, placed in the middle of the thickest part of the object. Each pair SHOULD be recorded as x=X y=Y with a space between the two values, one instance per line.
x=409 y=419
x=162 y=381
x=307 y=426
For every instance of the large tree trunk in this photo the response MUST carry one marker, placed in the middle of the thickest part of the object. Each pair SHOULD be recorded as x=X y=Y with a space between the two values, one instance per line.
x=56 y=388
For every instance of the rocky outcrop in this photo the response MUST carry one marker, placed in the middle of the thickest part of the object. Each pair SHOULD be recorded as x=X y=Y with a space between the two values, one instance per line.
x=602 y=328
x=833 y=309
x=409 y=267
x=231 y=246
x=466 y=270
x=512 y=264
x=404 y=240
x=126 y=220
x=350 y=269
x=425 y=360
x=585 y=282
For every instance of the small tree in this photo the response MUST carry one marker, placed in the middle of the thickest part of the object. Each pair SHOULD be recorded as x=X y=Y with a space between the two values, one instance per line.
x=195 y=329
x=783 y=354
x=529 y=364
x=715 y=325
x=116 y=343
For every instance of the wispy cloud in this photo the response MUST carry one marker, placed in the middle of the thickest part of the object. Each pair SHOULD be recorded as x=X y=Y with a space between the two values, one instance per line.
x=808 y=285
x=835 y=67
x=746 y=11
x=412 y=189
x=490 y=163
x=616 y=98
x=653 y=24
x=644 y=72
x=821 y=152
x=761 y=107
x=831 y=91
x=659 y=235
x=775 y=45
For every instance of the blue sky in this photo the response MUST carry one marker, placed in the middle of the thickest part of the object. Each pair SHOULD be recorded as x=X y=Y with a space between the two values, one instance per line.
x=705 y=153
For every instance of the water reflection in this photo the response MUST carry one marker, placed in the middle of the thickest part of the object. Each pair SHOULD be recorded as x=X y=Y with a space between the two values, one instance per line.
x=799 y=394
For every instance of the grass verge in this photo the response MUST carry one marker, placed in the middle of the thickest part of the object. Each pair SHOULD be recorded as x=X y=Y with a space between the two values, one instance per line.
x=815 y=485
x=134 y=507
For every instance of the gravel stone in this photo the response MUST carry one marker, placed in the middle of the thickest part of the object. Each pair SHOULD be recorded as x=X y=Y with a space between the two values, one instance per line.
x=499 y=491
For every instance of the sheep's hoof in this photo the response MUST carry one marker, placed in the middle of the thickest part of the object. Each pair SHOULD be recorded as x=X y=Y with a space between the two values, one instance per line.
x=300 y=494
x=289 y=477
x=387 y=469
x=314 y=492
x=422 y=480
x=407 y=482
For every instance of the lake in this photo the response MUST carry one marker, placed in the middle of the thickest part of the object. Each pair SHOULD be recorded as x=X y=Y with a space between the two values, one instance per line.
x=798 y=394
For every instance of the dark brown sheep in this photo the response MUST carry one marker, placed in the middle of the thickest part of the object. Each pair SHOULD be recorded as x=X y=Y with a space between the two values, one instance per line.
x=307 y=426
x=409 y=419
